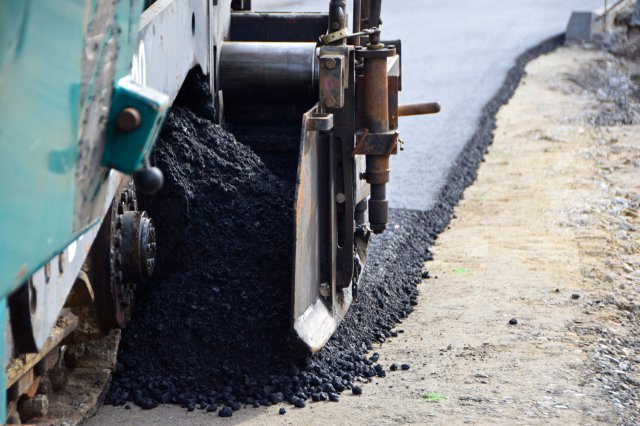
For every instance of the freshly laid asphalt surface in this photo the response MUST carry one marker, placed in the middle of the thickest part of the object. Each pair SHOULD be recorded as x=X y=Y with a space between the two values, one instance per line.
x=457 y=53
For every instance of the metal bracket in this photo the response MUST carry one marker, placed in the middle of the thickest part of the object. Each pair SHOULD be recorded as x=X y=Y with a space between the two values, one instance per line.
x=319 y=122
x=376 y=143
x=333 y=75
x=335 y=36
x=331 y=81
x=135 y=119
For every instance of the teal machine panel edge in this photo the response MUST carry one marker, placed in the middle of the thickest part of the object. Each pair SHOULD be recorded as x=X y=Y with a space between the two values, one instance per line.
x=137 y=115
x=58 y=64
x=62 y=64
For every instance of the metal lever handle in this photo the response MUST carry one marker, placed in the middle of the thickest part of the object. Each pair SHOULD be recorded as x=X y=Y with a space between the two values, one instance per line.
x=418 y=109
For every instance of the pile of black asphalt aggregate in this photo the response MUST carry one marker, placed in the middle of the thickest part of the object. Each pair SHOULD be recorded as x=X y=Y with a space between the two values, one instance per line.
x=211 y=330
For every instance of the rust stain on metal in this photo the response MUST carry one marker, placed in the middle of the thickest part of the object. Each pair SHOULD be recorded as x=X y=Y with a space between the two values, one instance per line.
x=418 y=109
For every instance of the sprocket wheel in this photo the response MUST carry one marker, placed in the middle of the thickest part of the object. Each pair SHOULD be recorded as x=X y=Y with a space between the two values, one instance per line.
x=122 y=258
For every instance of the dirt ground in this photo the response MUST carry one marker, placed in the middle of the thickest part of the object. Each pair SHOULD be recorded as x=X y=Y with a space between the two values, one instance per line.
x=547 y=236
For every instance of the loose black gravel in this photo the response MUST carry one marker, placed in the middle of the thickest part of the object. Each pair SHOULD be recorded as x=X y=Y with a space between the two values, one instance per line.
x=225 y=412
x=212 y=328
x=513 y=321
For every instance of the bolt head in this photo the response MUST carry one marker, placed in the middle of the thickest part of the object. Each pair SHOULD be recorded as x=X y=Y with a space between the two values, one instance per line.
x=128 y=119
x=329 y=63
x=330 y=102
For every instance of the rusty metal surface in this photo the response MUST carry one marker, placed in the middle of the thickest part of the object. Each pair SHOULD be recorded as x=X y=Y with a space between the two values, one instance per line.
x=327 y=246
x=313 y=315
x=19 y=366
x=331 y=72
x=376 y=113
x=357 y=22
x=418 y=109
x=376 y=142
x=394 y=87
x=384 y=144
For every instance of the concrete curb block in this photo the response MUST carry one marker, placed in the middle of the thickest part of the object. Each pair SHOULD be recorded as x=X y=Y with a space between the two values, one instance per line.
x=583 y=24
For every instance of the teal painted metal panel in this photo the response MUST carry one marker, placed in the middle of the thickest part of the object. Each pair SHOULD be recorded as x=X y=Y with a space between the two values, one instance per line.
x=127 y=151
x=41 y=81
x=38 y=142
x=52 y=59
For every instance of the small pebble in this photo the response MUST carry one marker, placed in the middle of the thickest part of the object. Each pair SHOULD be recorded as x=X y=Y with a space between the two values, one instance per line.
x=328 y=387
x=575 y=296
x=225 y=412
x=127 y=407
x=356 y=390
x=334 y=397
x=393 y=367
x=425 y=274
x=405 y=367
x=298 y=402
x=513 y=321
x=282 y=411
x=375 y=357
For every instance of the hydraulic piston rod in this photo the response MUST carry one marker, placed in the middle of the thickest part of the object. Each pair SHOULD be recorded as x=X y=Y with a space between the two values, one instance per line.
x=376 y=122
